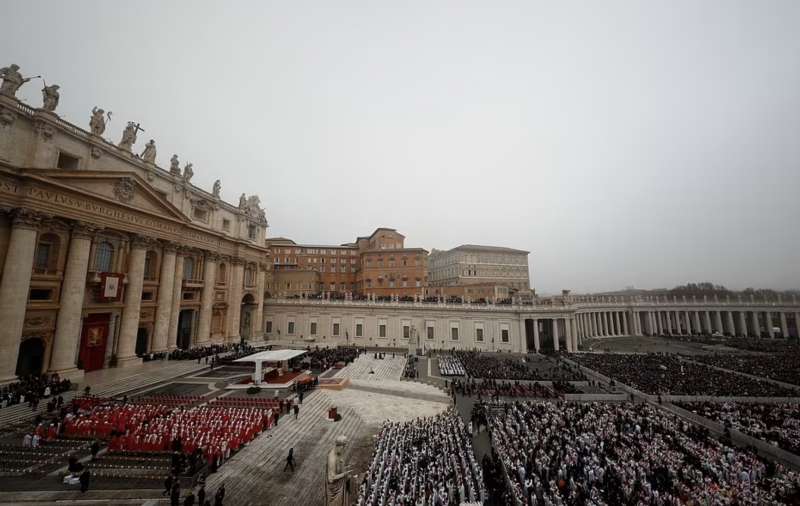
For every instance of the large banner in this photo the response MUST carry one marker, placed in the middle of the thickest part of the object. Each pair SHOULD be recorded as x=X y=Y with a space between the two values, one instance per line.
x=111 y=286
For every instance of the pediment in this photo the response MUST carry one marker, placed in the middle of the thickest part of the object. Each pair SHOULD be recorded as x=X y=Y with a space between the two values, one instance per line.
x=123 y=188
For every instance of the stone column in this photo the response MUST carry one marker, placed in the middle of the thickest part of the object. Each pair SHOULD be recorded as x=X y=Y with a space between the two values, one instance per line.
x=574 y=324
x=698 y=329
x=68 y=325
x=14 y=286
x=593 y=324
x=616 y=323
x=555 y=334
x=754 y=324
x=718 y=322
x=688 y=319
x=659 y=328
x=797 y=324
x=625 y=323
x=768 y=323
x=668 y=317
x=784 y=325
x=175 y=305
x=536 y=335
x=743 y=324
x=207 y=299
x=568 y=334
x=235 y=304
x=258 y=319
x=731 y=325
x=166 y=286
x=606 y=324
x=126 y=352
x=707 y=317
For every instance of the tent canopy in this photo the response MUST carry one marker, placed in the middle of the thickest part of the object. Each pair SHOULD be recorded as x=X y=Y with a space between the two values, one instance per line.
x=272 y=356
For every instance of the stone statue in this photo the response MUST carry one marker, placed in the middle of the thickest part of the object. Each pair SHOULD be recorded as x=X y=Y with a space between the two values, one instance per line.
x=337 y=476
x=12 y=80
x=174 y=166
x=188 y=172
x=129 y=136
x=149 y=153
x=50 y=97
x=217 y=188
x=243 y=202
x=98 y=122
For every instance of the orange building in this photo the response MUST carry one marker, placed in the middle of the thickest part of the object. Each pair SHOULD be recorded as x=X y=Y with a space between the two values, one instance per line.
x=378 y=264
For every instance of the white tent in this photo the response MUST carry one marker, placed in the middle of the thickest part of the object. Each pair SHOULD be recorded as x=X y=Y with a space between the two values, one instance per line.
x=269 y=356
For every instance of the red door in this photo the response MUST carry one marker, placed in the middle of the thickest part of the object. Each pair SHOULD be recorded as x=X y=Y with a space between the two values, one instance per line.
x=93 y=341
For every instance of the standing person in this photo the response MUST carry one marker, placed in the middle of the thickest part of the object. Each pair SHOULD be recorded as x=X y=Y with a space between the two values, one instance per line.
x=296 y=410
x=175 y=494
x=201 y=495
x=84 y=479
x=289 y=460
x=167 y=485
x=220 y=495
x=95 y=449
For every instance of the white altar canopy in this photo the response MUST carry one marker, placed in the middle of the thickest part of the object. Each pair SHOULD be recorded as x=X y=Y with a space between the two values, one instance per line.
x=269 y=356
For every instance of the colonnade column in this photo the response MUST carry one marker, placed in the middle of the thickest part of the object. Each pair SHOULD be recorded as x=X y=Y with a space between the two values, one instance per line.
x=743 y=324
x=129 y=327
x=207 y=298
x=166 y=285
x=625 y=323
x=731 y=325
x=66 y=339
x=606 y=324
x=698 y=329
x=175 y=305
x=797 y=324
x=568 y=334
x=707 y=317
x=574 y=325
x=784 y=325
x=555 y=334
x=593 y=320
x=536 y=335
x=14 y=286
x=768 y=323
x=617 y=327
x=668 y=318
x=659 y=324
x=754 y=324
x=258 y=320
x=718 y=322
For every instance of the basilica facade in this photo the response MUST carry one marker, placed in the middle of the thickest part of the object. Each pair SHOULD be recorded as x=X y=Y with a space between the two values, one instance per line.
x=105 y=257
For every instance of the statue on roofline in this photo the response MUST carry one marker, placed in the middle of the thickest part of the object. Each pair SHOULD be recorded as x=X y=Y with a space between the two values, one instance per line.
x=149 y=153
x=12 y=80
x=50 y=97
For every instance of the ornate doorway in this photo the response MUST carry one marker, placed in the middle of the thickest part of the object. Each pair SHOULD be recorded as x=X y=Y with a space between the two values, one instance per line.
x=31 y=357
x=94 y=338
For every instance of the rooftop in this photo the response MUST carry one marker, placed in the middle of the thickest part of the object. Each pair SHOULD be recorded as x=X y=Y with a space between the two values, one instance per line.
x=495 y=249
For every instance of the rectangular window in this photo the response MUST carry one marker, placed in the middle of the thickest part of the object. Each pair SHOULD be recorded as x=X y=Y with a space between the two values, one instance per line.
x=42 y=261
x=252 y=232
x=269 y=327
x=313 y=328
x=40 y=294
x=454 y=333
x=406 y=331
x=290 y=330
x=359 y=329
x=430 y=332
x=226 y=224
x=335 y=329
x=381 y=328
x=504 y=335
x=479 y=334
x=68 y=162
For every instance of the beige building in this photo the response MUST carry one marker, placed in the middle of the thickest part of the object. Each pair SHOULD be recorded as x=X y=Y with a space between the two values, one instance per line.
x=483 y=271
x=106 y=256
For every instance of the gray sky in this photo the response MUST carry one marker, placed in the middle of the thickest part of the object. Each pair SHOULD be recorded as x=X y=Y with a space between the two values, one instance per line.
x=622 y=143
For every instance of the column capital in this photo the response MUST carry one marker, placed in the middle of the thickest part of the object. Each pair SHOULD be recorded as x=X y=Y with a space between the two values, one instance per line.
x=82 y=230
x=140 y=241
x=237 y=261
x=210 y=256
x=26 y=218
x=170 y=247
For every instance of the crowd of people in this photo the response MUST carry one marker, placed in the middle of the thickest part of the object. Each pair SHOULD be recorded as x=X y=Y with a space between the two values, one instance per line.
x=530 y=368
x=32 y=388
x=779 y=366
x=410 y=370
x=321 y=359
x=427 y=461
x=610 y=454
x=667 y=374
x=742 y=343
x=214 y=431
x=778 y=424
x=201 y=352
x=494 y=389
x=450 y=366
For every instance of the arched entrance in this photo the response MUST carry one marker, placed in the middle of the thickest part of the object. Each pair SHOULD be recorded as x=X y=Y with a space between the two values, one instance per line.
x=142 y=338
x=31 y=357
x=246 y=322
x=185 y=320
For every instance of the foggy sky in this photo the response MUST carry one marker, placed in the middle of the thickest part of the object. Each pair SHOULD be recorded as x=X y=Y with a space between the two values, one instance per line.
x=631 y=143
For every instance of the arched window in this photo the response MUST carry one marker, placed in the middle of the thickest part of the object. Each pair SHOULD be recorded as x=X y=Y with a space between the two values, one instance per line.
x=150 y=265
x=46 y=259
x=222 y=274
x=104 y=257
x=188 y=268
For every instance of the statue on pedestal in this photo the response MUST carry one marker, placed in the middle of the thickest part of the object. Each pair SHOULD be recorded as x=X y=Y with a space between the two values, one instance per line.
x=217 y=188
x=149 y=153
x=97 y=123
x=188 y=172
x=12 y=80
x=243 y=202
x=337 y=483
x=50 y=97
x=174 y=166
x=129 y=136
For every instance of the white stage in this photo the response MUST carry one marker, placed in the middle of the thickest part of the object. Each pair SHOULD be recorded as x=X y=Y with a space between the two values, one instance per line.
x=276 y=356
